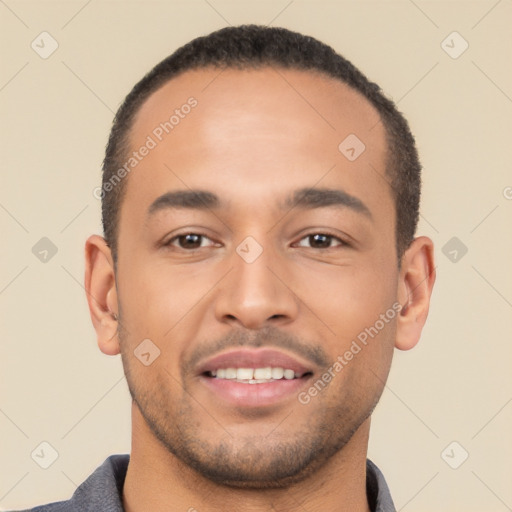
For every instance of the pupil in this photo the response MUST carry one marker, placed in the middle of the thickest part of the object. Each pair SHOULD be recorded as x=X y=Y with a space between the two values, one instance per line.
x=320 y=240
x=190 y=240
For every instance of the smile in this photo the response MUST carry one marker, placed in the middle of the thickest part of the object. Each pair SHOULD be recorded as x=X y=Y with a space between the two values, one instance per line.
x=248 y=378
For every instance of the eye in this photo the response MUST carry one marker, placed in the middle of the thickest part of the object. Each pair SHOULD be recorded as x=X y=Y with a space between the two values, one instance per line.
x=322 y=241
x=188 y=241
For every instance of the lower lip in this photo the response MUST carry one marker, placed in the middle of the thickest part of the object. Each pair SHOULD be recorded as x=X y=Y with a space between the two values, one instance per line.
x=254 y=395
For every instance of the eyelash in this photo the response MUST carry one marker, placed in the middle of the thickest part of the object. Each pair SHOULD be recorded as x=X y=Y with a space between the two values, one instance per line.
x=342 y=243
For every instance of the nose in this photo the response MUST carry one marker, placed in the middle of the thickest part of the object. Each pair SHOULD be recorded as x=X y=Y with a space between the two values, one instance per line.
x=257 y=292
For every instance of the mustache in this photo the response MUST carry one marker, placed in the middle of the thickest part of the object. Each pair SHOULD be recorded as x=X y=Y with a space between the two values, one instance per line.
x=268 y=337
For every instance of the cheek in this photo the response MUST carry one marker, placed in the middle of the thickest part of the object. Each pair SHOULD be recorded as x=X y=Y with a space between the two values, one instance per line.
x=160 y=301
x=356 y=303
x=349 y=298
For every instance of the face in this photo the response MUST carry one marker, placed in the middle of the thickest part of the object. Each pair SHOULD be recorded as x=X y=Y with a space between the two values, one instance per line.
x=248 y=240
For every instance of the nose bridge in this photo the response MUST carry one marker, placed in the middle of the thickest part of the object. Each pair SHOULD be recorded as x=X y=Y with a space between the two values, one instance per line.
x=255 y=292
x=252 y=262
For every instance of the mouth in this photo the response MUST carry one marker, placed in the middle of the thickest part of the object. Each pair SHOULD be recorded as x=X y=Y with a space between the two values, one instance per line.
x=249 y=378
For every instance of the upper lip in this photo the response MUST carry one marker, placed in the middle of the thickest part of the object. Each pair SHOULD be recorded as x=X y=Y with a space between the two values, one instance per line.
x=259 y=358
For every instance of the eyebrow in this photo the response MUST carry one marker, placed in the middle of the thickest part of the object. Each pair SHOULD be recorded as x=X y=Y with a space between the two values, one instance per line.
x=189 y=199
x=304 y=198
x=309 y=198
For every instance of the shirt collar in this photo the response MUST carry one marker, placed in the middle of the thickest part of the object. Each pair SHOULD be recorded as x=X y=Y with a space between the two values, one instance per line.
x=103 y=489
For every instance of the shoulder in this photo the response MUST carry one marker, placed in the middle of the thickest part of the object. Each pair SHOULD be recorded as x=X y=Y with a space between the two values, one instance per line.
x=377 y=490
x=102 y=490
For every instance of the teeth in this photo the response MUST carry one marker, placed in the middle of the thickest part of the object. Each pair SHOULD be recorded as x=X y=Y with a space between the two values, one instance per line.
x=230 y=373
x=263 y=373
x=277 y=373
x=245 y=374
x=289 y=374
x=254 y=375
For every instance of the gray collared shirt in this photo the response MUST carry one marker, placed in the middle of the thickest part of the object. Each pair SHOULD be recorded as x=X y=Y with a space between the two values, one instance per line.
x=102 y=491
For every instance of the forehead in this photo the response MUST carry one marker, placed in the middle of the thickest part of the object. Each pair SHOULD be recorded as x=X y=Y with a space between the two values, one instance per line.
x=263 y=130
x=327 y=104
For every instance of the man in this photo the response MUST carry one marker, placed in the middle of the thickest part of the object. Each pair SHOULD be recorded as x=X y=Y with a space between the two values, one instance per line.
x=260 y=198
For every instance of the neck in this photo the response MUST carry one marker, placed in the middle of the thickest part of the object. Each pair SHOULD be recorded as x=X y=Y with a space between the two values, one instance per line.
x=156 y=480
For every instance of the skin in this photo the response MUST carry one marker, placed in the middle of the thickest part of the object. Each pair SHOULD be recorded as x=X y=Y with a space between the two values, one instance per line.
x=253 y=140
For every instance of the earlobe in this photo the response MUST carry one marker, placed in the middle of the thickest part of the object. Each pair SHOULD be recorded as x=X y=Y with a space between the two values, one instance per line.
x=416 y=281
x=100 y=286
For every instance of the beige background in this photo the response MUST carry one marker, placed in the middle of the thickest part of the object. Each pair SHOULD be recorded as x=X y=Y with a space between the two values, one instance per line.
x=456 y=385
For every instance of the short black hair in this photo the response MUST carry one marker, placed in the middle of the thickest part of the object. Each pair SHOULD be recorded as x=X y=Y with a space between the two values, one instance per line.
x=252 y=47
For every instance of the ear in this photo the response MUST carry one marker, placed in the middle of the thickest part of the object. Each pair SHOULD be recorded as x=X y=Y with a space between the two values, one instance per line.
x=100 y=285
x=417 y=277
